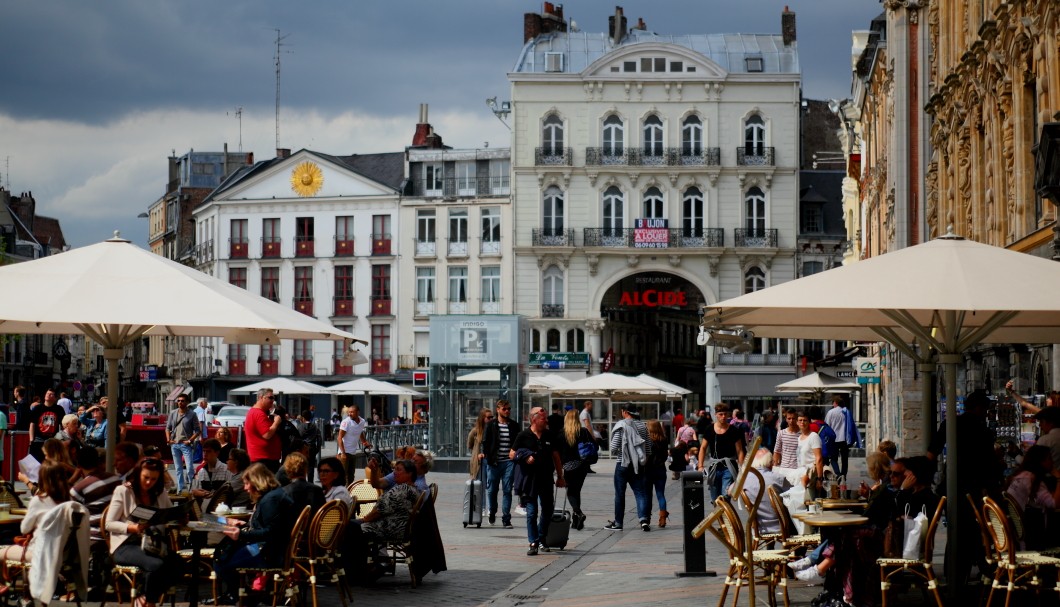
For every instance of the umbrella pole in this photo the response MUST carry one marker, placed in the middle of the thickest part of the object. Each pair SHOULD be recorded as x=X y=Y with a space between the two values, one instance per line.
x=112 y=356
x=950 y=362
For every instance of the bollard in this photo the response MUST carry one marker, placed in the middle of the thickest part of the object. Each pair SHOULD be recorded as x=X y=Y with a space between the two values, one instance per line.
x=695 y=549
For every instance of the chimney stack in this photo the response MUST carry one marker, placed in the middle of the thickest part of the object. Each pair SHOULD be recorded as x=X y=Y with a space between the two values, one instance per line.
x=283 y=153
x=787 y=26
x=640 y=25
x=423 y=128
x=616 y=26
x=550 y=20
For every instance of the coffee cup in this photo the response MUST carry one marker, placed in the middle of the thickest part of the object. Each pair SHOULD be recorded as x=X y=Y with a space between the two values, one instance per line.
x=239 y=509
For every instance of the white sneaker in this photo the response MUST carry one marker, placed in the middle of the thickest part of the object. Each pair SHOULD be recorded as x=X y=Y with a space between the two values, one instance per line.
x=800 y=564
x=519 y=511
x=810 y=575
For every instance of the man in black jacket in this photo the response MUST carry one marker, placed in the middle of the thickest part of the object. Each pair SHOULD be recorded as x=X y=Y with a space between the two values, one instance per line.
x=500 y=470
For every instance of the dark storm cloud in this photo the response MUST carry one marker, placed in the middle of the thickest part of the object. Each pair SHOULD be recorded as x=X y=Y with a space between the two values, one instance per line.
x=94 y=62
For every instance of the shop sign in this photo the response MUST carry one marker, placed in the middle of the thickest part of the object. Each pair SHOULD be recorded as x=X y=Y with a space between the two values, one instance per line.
x=651 y=234
x=867 y=366
x=420 y=379
x=559 y=360
x=651 y=298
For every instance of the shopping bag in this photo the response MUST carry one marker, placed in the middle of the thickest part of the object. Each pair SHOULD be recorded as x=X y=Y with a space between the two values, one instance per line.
x=913 y=535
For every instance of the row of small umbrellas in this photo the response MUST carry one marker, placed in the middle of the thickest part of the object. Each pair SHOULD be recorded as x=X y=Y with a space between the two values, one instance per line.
x=364 y=385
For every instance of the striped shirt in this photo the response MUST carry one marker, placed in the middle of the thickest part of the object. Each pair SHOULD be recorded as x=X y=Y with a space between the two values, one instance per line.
x=788 y=447
x=504 y=442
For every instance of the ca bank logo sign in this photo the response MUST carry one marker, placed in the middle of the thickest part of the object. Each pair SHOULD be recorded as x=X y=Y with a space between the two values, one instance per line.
x=867 y=366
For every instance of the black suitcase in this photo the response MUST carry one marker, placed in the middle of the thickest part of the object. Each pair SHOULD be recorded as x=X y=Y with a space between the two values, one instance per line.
x=559 y=526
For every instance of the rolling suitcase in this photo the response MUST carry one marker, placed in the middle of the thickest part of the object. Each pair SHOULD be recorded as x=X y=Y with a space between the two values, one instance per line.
x=559 y=527
x=474 y=492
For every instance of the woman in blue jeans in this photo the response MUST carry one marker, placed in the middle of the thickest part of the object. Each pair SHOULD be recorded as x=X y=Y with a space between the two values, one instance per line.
x=657 y=468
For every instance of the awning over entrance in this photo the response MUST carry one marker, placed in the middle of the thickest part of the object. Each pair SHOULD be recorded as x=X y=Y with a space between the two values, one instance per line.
x=751 y=385
x=182 y=389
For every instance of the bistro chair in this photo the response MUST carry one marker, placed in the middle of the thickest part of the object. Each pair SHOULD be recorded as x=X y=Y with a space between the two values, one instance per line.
x=365 y=496
x=790 y=539
x=323 y=551
x=9 y=496
x=125 y=574
x=284 y=582
x=761 y=540
x=1020 y=570
x=773 y=563
x=920 y=567
x=400 y=551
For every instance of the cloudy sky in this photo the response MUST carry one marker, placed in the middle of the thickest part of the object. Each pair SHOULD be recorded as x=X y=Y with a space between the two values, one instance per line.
x=97 y=95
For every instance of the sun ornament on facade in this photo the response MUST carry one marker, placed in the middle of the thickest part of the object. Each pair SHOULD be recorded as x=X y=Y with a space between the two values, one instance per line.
x=306 y=179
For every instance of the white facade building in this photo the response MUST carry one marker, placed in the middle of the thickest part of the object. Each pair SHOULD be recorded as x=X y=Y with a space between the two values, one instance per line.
x=652 y=174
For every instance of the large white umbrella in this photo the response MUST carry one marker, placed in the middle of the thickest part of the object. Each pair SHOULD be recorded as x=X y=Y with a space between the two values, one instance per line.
x=817 y=382
x=367 y=385
x=116 y=292
x=948 y=295
x=671 y=389
x=610 y=385
x=282 y=385
x=546 y=382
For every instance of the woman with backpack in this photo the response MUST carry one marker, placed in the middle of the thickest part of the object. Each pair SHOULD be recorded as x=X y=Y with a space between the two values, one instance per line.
x=576 y=460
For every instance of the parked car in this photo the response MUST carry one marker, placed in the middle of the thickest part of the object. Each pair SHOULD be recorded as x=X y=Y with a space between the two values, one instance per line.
x=212 y=408
x=231 y=416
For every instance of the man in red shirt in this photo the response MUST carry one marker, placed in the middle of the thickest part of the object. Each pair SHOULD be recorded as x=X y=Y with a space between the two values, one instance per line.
x=263 y=442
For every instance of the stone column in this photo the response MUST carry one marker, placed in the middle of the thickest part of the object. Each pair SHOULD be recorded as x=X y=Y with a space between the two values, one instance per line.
x=593 y=327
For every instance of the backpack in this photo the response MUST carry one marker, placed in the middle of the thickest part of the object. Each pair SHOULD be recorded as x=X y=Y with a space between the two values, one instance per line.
x=827 y=434
x=288 y=433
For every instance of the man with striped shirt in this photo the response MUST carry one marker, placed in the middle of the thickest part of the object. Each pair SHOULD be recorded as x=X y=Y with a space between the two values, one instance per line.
x=97 y=485
x=785 y=455
x=500 y=469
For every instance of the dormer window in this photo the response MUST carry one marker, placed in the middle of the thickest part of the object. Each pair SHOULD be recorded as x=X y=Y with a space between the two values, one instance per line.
x=754 y=64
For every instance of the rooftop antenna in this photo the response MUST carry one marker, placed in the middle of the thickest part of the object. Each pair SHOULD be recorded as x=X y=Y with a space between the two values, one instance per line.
x=239 y=116
x=7 y=171
x=279 y=43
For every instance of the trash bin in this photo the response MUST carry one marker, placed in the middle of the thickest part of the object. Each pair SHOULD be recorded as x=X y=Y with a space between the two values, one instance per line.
x=692 y=501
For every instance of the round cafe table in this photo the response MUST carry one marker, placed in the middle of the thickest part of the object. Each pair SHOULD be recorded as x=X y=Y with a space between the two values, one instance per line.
x=841 y=504
x=830 y=523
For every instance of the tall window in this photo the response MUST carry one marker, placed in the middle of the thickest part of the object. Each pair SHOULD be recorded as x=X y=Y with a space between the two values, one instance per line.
x=575 y=340
x=552 y=287
x=270 y=239
x=457 y=286
x=653 y=136
x=425 y=234
x=755 y=211
x=432 y=179
x=614 y=136
x=614 y=211
x=458 y=231
x=381 y=282
x=754 y=280
x=425 y=285
x=653 y=204
x=553 y=212
x=380 y=342
x=239 y=230
x=303 y=286
x=754 y=136
x=465 y=178
x=344 y=235
x=692 y=136
x=270 y=284
x=381 y=235
x=500 y=176
x=303 y=349
x=304 y=236
x=693 y=218
x=238 y=277
x=552 y=136
x=491 y=230
x=491 y=289
x=344 y=282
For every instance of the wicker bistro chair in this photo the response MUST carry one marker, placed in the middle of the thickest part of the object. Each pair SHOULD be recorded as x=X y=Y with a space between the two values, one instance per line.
x=730 y=532
x=125 y=574
x=1019 y=569
x=365 y=495
x=433 y=488
x=284 y=582
x=324 y=537
x=401 y=551
x=789 y=538
x=206 y=554
x=761 y=540
x=9 y=496
x=920 y=567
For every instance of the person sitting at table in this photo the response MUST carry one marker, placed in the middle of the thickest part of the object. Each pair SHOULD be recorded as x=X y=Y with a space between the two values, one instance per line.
x=333 y=478
x=53 y=490
x=213 y=473
x=423 y=460
x=768 y=519
x=263 y=541
x=153 y=452
x=302 y=492
x=96 y=486
x=388 y=521
x=144 y=488
x=224 y=436
x=54 y=451
x=1036 y=489
x=238 y=461
x=298 y=446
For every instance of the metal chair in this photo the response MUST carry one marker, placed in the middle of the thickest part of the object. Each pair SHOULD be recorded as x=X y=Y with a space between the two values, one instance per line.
x=324 y=537
x=283 y=579
x=1019 y=569
x=730 y=532
x=400 y=551
x=128 y=574
x=921 y=567
x=761 y=540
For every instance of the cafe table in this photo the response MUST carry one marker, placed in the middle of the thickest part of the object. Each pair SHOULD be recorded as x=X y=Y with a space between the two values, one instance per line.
x=841 y=504
x=831 y=523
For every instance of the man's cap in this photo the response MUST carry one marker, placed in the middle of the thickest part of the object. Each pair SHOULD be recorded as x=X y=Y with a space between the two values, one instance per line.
x=568 y=408
x=631 y=409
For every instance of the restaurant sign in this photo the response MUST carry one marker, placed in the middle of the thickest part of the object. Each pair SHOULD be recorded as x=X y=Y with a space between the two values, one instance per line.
x=559 y=360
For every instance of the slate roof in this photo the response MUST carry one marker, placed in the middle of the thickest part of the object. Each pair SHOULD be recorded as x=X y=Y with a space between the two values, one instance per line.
x=726 y=50
x=825 y=187
x=48 y=232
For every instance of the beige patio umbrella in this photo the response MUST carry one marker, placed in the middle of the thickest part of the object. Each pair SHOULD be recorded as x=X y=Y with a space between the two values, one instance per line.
x=282 y=385
x=115 y=292
x=947 y=295
x=817 y=384
x=367 y=385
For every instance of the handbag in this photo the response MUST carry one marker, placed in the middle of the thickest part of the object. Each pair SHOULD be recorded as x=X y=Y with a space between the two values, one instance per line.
x=153 y=543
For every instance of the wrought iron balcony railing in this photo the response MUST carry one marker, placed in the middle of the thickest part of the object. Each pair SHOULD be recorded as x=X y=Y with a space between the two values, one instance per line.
x=552 y=310
x=757 y=238
x=754 y=156
x=553 y=156
x=653 y=238
x=548 y=237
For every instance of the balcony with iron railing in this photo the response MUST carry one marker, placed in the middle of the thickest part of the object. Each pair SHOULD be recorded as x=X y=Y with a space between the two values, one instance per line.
x=424 y=308
x=406 y=361
x=380 y=306
x=269 y=366
x=343 y=306
x=653 y=156
x=609 y=156
x=426 y=248
x=381 y=244
x=238 y=248
x=553 y=310
x=237 y=366
x=458 y=306
x=451 y=187
x=489 y=247
x=304 y=246
x=754 y=156
x=457 y=247
x=271 y=246
x=756 y=238
x=343 y=246
x=553 y=156
x=653 y=238
x=304 y=304
x=204 y=252
x=491 y=307
x=549 y=237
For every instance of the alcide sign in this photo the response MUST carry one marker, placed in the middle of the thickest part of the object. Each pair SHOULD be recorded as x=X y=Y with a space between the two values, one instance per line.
x=651 y=234
x=651 y=298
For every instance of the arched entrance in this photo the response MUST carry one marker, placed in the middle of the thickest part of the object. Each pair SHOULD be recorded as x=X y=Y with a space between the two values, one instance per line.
x=652 y=324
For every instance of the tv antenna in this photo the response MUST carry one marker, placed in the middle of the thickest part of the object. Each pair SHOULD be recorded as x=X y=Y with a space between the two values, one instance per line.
x=239 y=116
x=279 y=44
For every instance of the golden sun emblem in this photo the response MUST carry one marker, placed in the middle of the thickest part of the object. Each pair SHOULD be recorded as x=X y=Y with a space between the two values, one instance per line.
x=306 y=179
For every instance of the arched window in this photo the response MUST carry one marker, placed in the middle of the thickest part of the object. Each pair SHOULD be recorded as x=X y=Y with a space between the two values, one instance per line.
x=653 y=137
x=653 y=204
x=614 y=136
x=754 y=280
x=552 y=213
x=552 y=136
x=552 y=293
x=755 y=212
x=552 y=339
x=614 y=212
x=692 y=136
x=693 y=219
x=754 y=136
x=575 y=340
